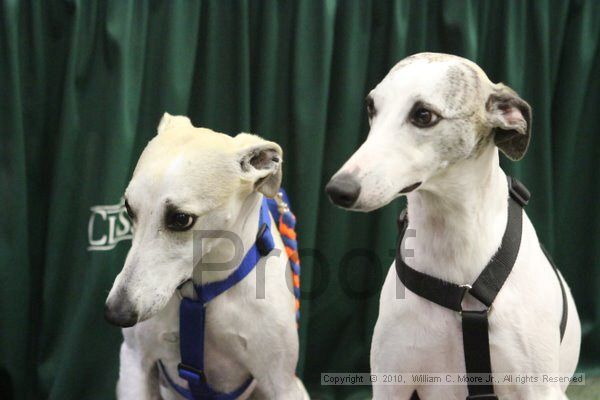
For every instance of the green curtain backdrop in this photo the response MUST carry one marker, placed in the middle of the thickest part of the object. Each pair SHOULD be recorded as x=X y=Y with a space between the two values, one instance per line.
x=84 y=83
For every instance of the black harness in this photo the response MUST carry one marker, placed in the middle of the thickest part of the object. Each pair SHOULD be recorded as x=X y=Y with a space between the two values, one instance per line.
x=485 y=289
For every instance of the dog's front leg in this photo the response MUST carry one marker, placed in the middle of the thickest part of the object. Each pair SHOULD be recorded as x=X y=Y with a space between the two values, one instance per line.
x=289 y=389
x=273 y=368
x=137 y=379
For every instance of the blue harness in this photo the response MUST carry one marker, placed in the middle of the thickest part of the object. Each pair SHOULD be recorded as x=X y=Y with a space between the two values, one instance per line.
x=192 y=317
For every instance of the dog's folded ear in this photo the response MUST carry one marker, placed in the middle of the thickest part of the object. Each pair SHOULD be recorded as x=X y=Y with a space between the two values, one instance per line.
x=260 y=162
x=510 y=119
x=169 y=121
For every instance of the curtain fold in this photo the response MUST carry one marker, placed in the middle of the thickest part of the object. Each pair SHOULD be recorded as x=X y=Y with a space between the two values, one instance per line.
x=84 y=84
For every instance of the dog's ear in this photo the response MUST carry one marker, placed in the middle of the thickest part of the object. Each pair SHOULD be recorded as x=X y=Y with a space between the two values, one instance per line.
x=169 y=121
x=510 y=119
x=260 y=162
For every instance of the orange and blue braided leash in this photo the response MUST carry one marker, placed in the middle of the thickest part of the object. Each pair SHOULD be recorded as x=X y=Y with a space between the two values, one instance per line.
x=287 y=225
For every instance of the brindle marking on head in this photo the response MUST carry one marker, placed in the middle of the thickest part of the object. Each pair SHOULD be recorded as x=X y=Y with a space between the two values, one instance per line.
x=455 y=89
x=483 y=140
x=451 y=145
x=460 y=89
x=461 y=92
x=463 y=95
x=426 y=57
x=462 y=83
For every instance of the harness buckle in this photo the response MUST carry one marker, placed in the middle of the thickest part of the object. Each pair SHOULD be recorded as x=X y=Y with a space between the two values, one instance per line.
x=467 y=288
x=179 y=289
x=191 y=374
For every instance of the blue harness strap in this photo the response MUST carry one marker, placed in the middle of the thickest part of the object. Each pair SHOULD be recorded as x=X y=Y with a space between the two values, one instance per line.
x=192 y=318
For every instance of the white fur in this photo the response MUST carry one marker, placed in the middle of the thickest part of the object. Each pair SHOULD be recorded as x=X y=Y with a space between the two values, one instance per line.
x=200 y=171
x=459 y=215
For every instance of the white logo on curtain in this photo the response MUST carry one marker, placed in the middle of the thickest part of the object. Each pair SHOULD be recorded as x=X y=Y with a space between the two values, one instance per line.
x=108 y=225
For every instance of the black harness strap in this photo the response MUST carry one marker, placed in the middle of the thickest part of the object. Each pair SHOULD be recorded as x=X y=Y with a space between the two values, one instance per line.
x=485 y=289
x=493 y=276
x=565 y=313
x=441 y=292
x=476 y=346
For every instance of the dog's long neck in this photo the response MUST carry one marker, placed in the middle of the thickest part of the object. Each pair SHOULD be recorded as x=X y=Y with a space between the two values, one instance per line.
x=222 y=258
x=459 y=219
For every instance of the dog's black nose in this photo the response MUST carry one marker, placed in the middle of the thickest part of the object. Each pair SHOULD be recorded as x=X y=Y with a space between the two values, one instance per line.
x=343 y=190
x=119 y=315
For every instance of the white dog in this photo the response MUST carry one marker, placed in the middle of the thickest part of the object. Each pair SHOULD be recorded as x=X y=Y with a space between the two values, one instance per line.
x=436 y=124
x=190 y=179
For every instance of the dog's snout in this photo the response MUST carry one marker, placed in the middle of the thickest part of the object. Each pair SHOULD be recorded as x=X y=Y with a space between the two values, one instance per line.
x=120 y=313
x=343 y=190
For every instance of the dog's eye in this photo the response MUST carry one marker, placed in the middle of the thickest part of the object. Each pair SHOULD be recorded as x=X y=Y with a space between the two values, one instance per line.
x=179 y=221
x=423 y=117
x=370 y=107
x=129 y=211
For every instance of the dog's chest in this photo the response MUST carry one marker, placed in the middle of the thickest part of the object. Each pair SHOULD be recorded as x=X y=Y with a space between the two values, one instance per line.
x=519 y=330
x=224 y=343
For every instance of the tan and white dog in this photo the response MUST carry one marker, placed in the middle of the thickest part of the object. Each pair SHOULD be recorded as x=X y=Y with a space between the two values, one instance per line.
x=436 y=125
x=190 y=179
